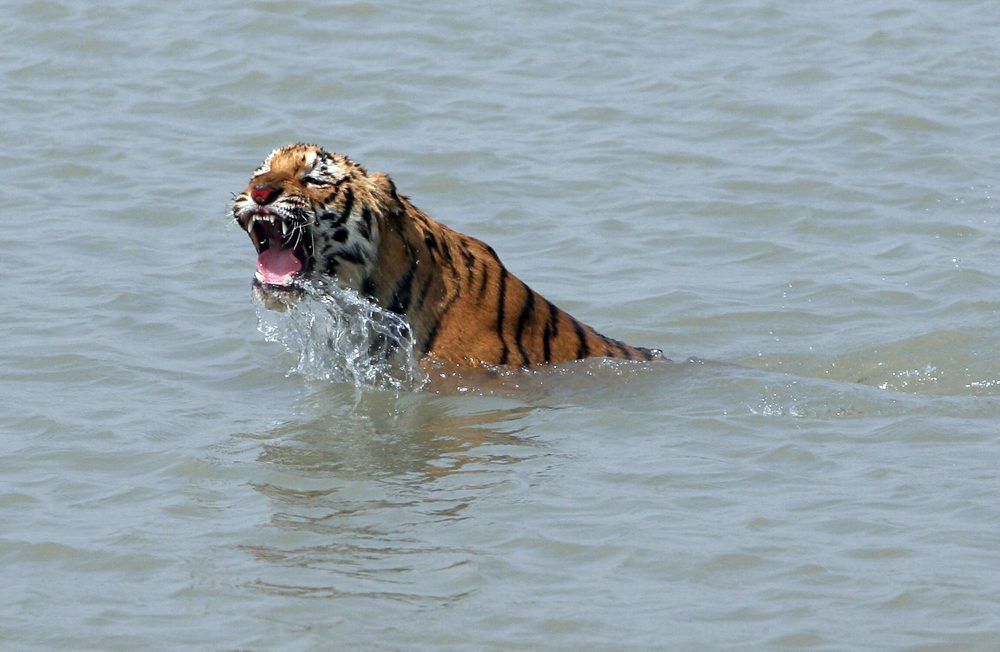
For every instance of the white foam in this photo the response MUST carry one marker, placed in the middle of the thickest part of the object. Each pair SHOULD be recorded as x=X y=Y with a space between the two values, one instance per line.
x=340 y=336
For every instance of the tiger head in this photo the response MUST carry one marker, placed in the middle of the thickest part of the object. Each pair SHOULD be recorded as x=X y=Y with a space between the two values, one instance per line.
x=311 y=214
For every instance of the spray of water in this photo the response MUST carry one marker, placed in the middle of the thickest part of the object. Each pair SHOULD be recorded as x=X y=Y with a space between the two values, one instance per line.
x=340 y=336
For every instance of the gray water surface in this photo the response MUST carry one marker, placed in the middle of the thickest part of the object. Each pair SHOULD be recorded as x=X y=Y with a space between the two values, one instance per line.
x=799 y=194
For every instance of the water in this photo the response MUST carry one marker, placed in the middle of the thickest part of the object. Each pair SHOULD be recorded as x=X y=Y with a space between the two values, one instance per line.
x=799 y=195
x=341 y=336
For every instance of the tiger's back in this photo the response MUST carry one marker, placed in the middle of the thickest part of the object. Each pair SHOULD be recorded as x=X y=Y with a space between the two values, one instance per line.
x=486 y=314
x=461 y=302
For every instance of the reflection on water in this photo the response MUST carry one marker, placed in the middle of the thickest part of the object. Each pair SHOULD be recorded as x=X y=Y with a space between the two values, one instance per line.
x=373 y=435
x=363 y=489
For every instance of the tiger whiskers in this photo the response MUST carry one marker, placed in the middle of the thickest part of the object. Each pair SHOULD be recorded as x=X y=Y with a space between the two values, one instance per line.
x=297 y=230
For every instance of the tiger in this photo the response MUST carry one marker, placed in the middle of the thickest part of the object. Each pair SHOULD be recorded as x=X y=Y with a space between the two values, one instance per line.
x=315 y=214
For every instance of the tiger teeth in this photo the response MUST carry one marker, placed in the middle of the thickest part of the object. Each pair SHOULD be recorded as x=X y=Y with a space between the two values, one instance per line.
x=284 y=228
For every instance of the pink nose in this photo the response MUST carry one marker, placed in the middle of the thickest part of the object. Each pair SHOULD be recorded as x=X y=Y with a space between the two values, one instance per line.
x=263 y=194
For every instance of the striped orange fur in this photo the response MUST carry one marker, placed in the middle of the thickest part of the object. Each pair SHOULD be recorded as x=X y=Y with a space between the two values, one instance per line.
x=311 y=213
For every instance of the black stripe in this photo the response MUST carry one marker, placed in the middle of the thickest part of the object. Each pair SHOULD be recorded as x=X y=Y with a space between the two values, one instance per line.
x=368 y=286
x=504 y=353
x=431 y=336
x=483 y=283
x=582 y=350
x=419 y=301
x=333 y=217
x=522 y=322
x=392 y=187
x=551 y=329
x=430 y=241
x=352 y=255
x=365 y=228
x=433 y=330
x=345 y=212
x=424 y=289
x=331 y=267
x=410 y=252
x=401 y=295
x=553 y=318
x=470 y=262
x=446 y=252
x=618 y=345
x=340 y=235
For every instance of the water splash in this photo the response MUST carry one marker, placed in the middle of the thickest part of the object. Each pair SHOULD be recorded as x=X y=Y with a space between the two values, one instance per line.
x=340 y=336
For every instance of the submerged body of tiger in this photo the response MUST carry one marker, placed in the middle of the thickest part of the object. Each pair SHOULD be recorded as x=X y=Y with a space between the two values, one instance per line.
x=312 y=214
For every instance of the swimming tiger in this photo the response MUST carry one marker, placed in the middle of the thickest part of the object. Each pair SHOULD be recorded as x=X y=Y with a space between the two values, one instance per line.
x=313 y=214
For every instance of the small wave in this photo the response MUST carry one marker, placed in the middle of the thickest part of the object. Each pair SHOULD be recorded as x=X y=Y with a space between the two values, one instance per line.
x=340 y=336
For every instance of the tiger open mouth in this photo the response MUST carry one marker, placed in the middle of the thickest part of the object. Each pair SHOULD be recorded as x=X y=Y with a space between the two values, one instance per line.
x=284 y=249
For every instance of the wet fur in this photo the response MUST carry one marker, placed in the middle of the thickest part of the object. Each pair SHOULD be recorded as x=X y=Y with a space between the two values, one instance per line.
x=463 y=305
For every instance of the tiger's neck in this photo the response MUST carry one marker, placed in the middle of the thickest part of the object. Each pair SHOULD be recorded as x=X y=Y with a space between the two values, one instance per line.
x=409 y=278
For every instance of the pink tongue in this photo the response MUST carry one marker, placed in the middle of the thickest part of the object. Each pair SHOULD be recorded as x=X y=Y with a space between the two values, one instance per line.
x=277 y=265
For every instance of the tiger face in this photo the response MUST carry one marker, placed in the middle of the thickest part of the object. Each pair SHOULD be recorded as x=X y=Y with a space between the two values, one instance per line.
x=302 y=214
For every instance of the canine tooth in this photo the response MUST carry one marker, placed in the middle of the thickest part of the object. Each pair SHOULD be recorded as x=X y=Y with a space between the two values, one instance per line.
x=284 y=228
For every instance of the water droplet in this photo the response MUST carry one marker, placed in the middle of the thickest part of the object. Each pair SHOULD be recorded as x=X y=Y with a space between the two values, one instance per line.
x=340 y=336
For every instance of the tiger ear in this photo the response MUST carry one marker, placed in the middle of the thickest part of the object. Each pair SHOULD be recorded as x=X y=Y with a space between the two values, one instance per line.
x=385 y=185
